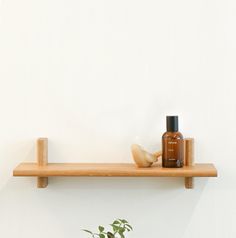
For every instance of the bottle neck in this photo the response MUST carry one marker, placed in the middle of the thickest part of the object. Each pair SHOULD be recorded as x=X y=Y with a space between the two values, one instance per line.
x=172 y=131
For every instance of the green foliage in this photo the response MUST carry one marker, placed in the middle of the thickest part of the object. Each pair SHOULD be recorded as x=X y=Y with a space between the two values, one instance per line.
x=119 y=227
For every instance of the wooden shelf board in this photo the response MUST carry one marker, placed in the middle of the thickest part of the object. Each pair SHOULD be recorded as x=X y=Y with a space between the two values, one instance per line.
x=112 y=169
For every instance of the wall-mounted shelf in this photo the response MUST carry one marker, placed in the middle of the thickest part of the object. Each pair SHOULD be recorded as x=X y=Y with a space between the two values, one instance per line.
x=43 y=170
x=112 y=170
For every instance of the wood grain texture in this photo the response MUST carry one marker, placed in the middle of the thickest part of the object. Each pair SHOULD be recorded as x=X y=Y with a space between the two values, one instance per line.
x=42 y=159
x=189 y=160
x=116 y=170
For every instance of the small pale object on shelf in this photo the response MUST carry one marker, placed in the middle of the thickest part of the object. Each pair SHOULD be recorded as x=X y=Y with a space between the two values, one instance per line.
x=142 y=158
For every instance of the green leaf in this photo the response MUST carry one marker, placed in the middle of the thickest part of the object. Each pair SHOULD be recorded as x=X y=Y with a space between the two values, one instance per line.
x=129 y=226
x=115 y=227
x=116 y=222
x=121 y=235
x=119 y=227
x=101 y=228
x=90 y=232
x=110 y=235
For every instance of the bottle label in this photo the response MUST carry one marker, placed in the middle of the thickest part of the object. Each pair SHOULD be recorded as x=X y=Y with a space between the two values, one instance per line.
x=172 y=152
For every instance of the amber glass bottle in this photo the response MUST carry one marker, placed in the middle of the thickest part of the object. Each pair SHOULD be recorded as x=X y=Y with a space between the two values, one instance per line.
x=172 y=144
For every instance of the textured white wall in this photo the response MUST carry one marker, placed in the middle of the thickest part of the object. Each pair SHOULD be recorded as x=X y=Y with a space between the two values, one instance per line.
x=96 y=76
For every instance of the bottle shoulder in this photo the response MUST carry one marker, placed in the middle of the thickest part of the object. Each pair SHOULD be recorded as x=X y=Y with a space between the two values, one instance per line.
x=172 y=135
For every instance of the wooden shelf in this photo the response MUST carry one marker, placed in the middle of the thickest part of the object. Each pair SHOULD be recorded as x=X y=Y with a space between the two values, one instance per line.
x=42 y=169
x=112 y=170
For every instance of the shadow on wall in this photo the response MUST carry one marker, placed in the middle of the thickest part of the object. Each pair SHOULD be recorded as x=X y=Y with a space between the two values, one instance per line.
x=68 y=205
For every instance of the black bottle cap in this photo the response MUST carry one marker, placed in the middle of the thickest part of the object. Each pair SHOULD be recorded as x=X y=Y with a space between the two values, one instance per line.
x=172 y=123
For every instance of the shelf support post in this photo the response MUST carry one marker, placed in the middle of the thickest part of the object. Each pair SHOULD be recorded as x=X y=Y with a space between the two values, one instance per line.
x=189 y=160
x=42 y=160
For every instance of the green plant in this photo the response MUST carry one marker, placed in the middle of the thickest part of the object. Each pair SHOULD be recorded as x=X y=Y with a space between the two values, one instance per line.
x=119 y=227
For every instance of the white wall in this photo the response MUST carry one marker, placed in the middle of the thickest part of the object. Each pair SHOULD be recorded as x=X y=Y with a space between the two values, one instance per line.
x=96 y=76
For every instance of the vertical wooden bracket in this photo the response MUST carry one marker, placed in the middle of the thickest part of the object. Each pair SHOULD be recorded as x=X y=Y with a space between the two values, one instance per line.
x=189 y=160
x=42 y=159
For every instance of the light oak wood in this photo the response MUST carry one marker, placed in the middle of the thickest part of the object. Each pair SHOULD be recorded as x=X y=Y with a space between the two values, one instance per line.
x=42 y=159
x=42 y=169
x=189 y=160
x=116 y=170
